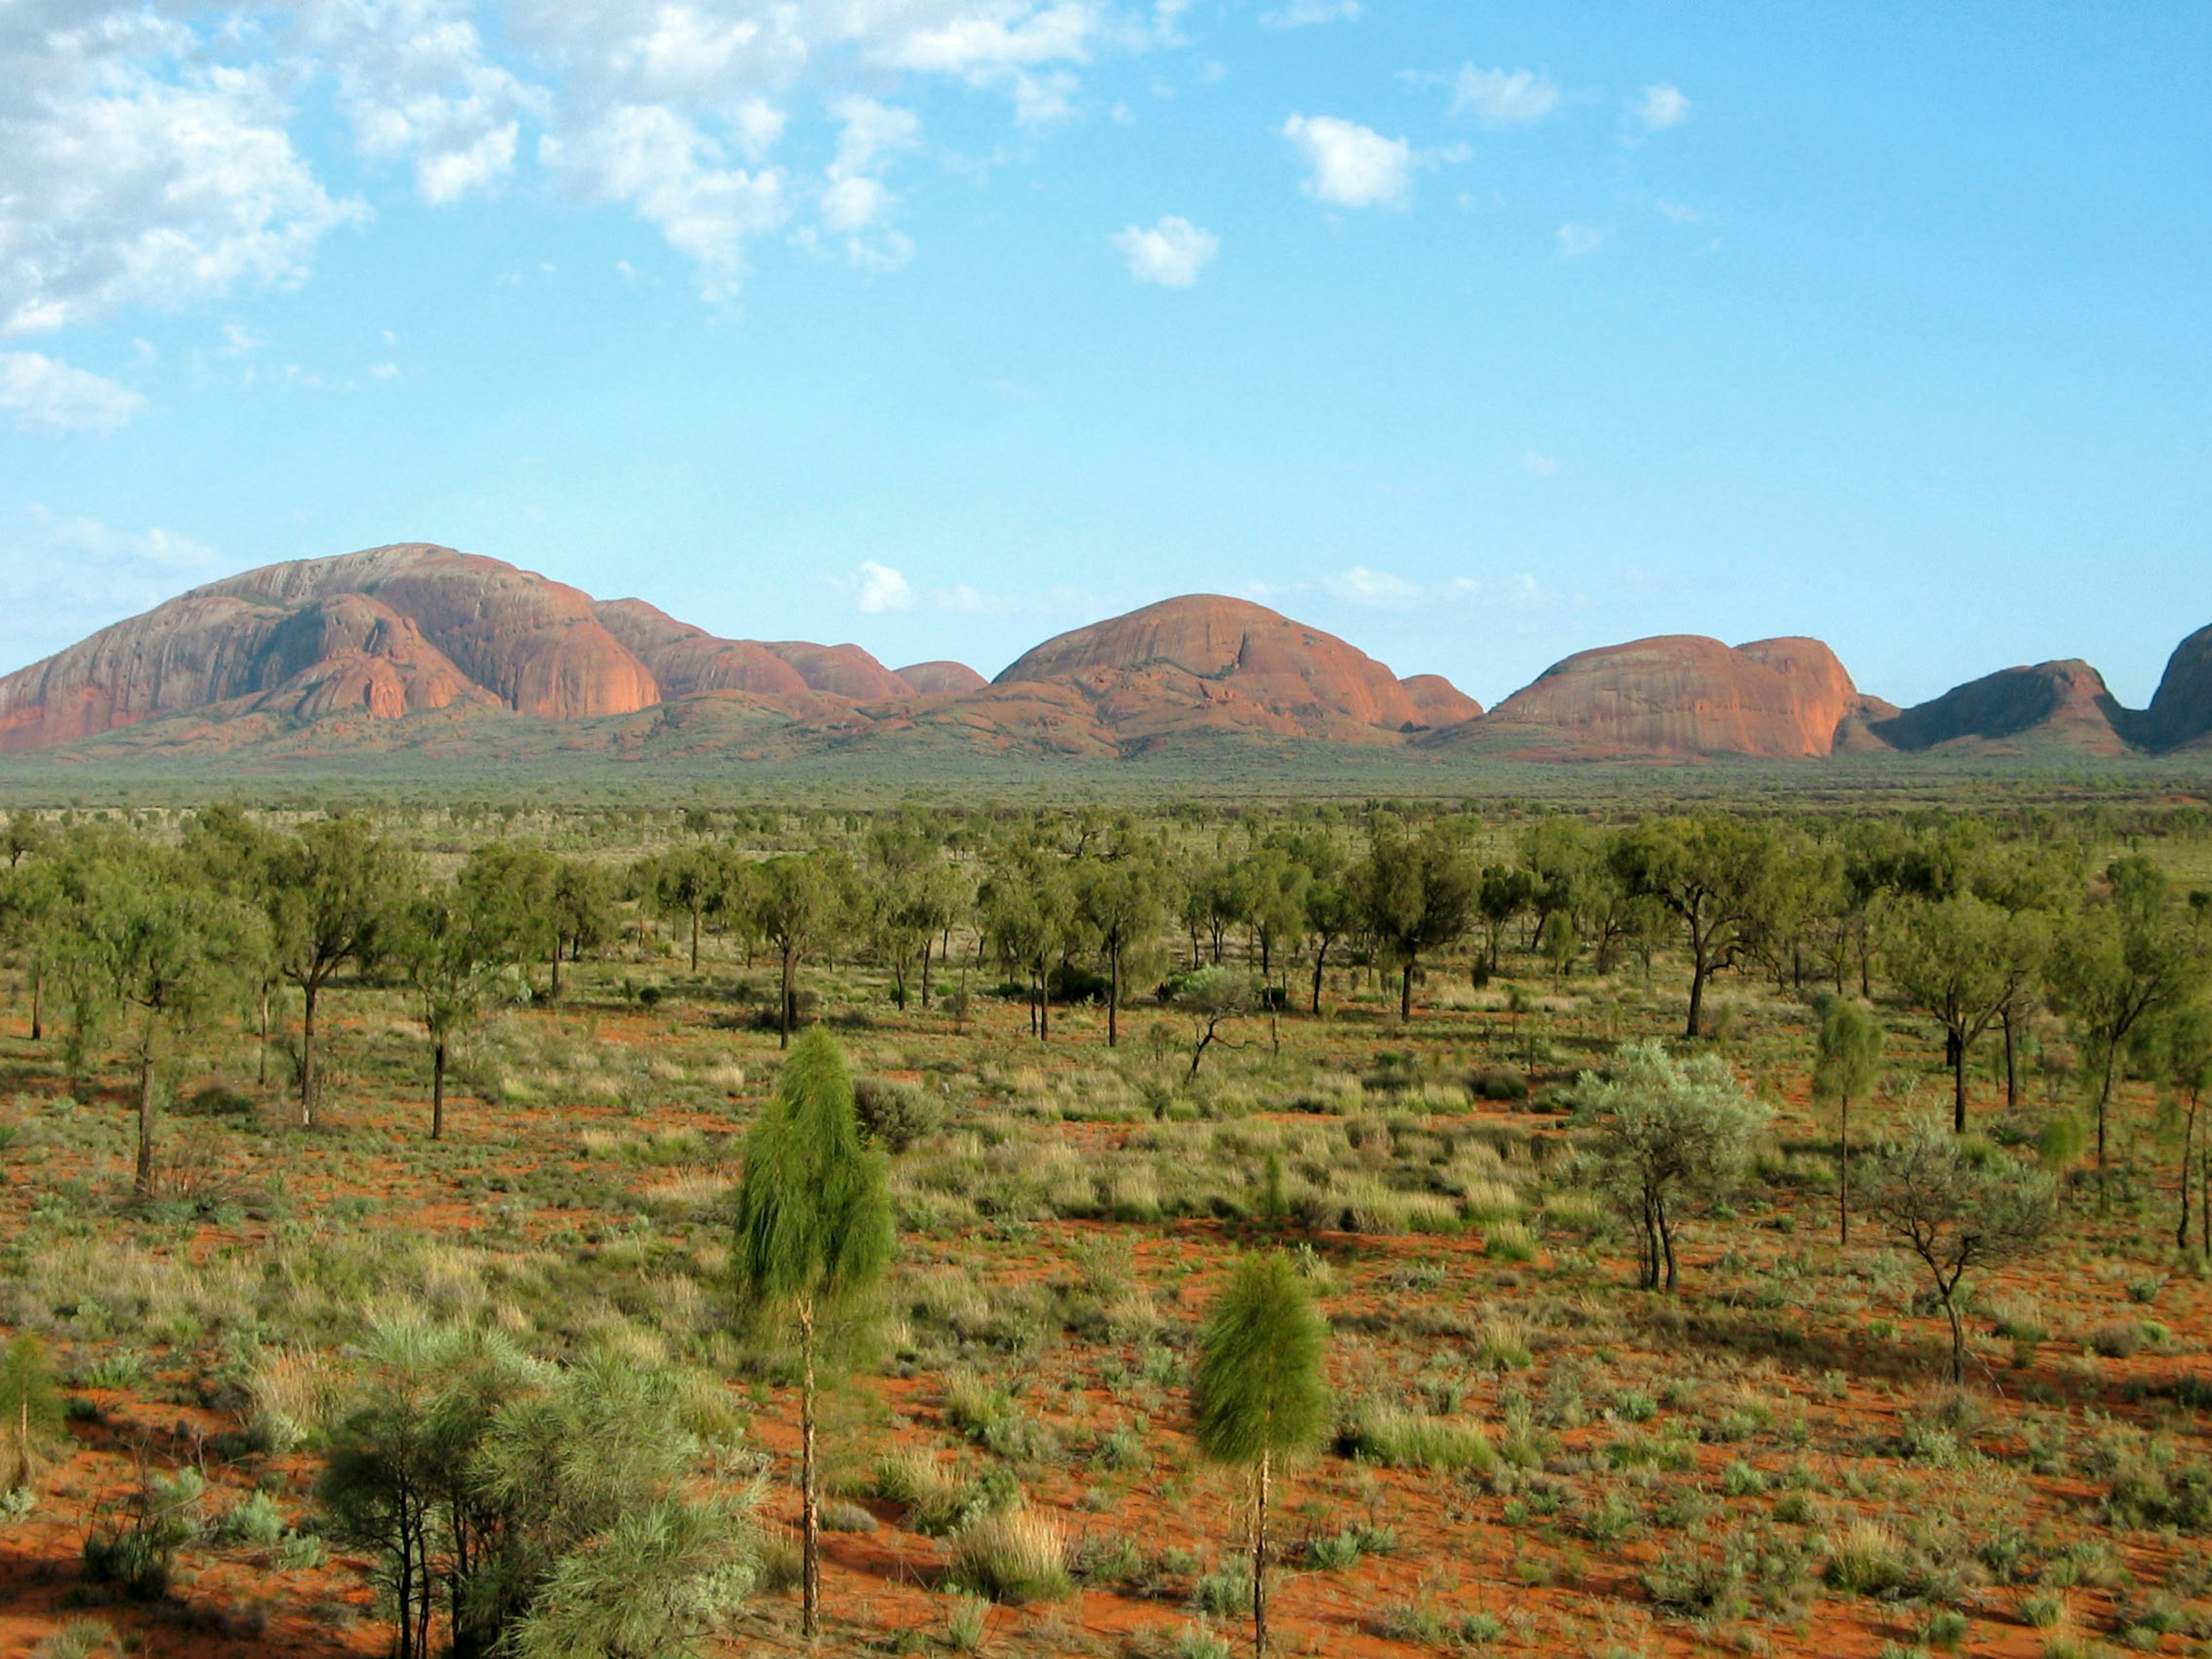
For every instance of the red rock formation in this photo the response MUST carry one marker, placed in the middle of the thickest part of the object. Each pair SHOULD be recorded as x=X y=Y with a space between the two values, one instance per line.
x=533 y=643
x=2181 y=712
x=685 y=659
x=2055 y=704
x=1682 y=695
x=1215 y=661
x=1440 y=702
x=932 y=679
x=842 y=671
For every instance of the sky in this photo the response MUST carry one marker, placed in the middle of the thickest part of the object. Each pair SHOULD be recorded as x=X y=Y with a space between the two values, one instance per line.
x=1476 y=334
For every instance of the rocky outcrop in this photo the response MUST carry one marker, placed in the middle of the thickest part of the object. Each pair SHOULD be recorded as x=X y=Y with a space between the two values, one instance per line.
x=841 y=670
x=2181 y=712
x=932 y=680
x=1440 y=702
x=686 y=660
x=2063 y=705
x=1679 y=696
x=1214 y=662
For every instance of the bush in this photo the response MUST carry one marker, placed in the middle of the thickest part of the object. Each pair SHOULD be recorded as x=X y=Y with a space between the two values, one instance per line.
x=255 y=1520
x=1741 y=1479
x=1408 y=1440
x=2120 y=1339
x=1508 y=1241
x=1017 y=1557
x=1867 y=1561
x=1497 y=1083
x=1223 y=1594
x=894 y=1114
x=846 y=1517
x=2149 y=1492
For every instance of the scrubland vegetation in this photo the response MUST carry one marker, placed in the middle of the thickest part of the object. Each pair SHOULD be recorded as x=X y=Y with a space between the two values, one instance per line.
x=1424 y=1230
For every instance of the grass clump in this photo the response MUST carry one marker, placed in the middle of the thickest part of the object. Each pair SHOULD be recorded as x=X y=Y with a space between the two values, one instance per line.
x=1400 y=1439
x=1017 y=1557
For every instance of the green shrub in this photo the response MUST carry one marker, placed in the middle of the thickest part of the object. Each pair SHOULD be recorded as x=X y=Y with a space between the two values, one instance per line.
x=1017 y=1557
x=1508 y=1241
x=1223 y=1594
x=255 y=1520
x=1741 y=1479
x=1866 y=1560
x=1401 y=1439
x=2120 y=1339
x=895 y=1114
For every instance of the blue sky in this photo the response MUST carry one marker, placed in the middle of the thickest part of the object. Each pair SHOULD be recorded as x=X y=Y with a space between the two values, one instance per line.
x=1478 y=335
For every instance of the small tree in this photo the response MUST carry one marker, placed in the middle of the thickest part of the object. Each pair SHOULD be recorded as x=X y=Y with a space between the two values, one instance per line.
x=814 y=1234
x=1668 y=1132
x=1416 y=894
x=1957 y=1203
x=327 y=892
x=30 y=1411
x=1211 y=997
x=1258 y=1399
x=1843 y=1071
x=794 y=902
x=1964 y=962
x=456 y=949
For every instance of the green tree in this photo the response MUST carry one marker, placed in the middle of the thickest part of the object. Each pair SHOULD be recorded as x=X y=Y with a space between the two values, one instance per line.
x=30 y=1411
x=1502 y=893
x=509 y=887
x=2184 y=1044
x=796 y=904
x=150 y=941
x=24 y=835
x=1959 y=1204
x=583 y=916
x=813 y=1233
x=1962 y=961
x=1259 y=1398
x=687 y=882
x=1845 y=1066
x=457 y=949
x=1416 y=893
x=2124 y=960
x=1118 y=902
x=1710 y=874
x=327 y=892
x=1667 y=1133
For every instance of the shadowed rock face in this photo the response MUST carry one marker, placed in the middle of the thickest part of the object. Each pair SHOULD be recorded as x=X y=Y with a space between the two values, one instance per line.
x=1683 y=694
x=932 y=679
x=685 y=659
x=2181 y=712
x=1440 y=702
x=2062 y=703
x=841 y=670
x=1241 y=657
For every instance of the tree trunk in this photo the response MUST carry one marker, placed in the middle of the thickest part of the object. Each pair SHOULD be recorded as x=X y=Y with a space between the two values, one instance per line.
x=1113 y=994
x=2012 y=1064
x=438 y=1090
x=1259 y=1559
x=927 y=941
x=1697 y=973
x=1666 y=1243
x=695 y=944
x=1406 y=991
x=1044 y=1000
x=38 y=1001
x=810 y=1514
x=2104 y=1099
x=784 y=1009
x=553 y=991
x=1958 y=1046
x=2188 y=1145
x=310 y=1086
x=262 y=1068
x=141 y=1183
x=1958 y=1342
x=1320 y=956
x=1844 y=1175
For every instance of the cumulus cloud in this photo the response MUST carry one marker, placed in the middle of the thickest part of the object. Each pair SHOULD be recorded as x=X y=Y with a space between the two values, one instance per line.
x=61 y=577
x=1171 y=254
x=414 y=79
x=48 y=396
x=1303 y=13
x=880 y=588
x=855 y=200
x=1502 y=98
x=669 y=172
x=1351 y=165
x=134 y=169
x=1662 y=106
x=1378 y=588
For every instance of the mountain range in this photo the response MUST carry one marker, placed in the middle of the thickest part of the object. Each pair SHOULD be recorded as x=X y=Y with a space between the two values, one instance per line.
x=417 y=647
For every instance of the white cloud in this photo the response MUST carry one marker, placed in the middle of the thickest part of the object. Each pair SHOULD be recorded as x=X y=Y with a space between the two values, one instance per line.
x=414 y=79
x=52 y=397
x=1351 y=165
x=1662 y=106
x=1576 y=241
x=665 y=169
x=1302 y=13
x=137 y=169
x=383 y=371
x=1171 y=254
x=880 y=588
x=61 y=578
x=1502 y=98
x=854 y=200
x=1542 y=466
x=1378 y=588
